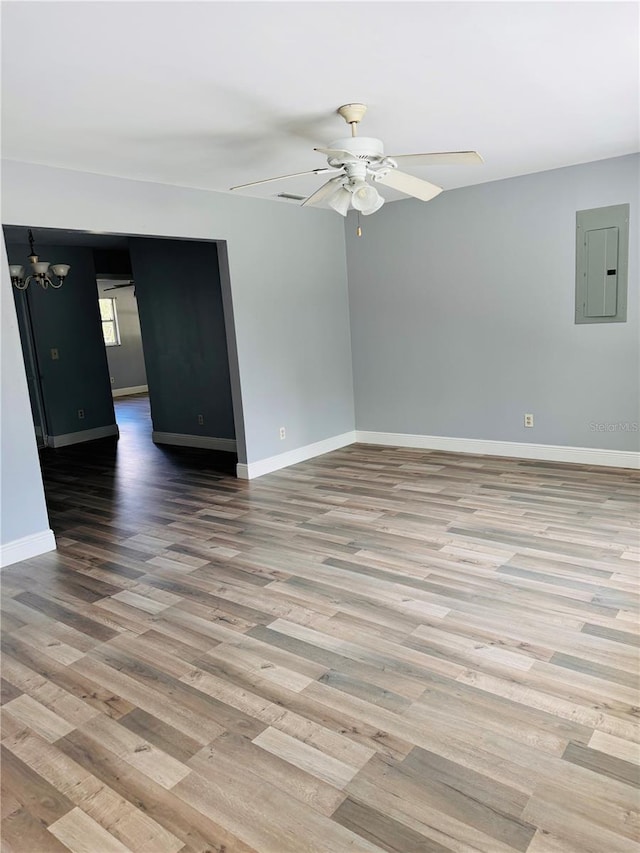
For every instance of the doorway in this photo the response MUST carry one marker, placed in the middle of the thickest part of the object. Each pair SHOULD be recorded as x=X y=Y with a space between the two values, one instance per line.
x=167 y=300
x=120 y=321
x=124 y=349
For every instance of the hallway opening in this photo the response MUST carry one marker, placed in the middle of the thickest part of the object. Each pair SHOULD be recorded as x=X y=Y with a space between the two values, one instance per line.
x=135 y=314
x=120 y=479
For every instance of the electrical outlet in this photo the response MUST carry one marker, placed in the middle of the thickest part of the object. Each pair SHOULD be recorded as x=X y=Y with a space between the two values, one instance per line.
x=113 y=380
x=283 y=433
x=528 y=420
x=81 y=414
x=55 y=355
x=200 y=419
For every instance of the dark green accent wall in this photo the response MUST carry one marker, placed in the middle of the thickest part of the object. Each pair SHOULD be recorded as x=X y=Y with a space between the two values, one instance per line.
x=68 y=320
x=185 y=348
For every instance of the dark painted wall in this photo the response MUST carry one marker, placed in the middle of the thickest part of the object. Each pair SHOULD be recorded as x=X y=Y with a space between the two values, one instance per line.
x=68 y=320
x=185 y=350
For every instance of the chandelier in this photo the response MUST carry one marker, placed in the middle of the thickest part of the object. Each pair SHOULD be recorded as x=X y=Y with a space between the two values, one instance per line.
x=41 y=271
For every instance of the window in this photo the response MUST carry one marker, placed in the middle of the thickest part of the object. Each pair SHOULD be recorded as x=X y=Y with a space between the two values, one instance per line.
x=109 y=321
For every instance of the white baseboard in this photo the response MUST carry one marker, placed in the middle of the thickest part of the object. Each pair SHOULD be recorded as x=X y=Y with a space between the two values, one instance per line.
x=274 y=463
x=515 y=449
x=27 y=547
x=135 y=389
x=83 y=435
x=204 y=441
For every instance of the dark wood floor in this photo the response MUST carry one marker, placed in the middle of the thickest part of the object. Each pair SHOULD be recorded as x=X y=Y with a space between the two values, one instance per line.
x=378 y=649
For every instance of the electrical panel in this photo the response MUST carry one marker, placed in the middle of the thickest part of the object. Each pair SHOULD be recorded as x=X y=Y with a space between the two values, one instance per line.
x=602 y=249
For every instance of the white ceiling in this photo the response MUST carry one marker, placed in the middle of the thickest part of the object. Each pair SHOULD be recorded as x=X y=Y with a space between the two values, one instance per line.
x=213 y=94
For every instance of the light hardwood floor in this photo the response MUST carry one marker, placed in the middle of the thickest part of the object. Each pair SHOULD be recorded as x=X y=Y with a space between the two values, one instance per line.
x=378 y=649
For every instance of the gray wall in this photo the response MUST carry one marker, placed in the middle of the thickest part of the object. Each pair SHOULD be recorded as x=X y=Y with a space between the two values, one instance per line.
x=180 y=304
x=126 y=362
x=462 y=314
x=288 y=289
x=68 y=320
x=21 y=495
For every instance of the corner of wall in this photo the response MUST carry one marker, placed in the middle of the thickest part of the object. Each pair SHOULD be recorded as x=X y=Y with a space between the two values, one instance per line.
x=26 y=547
x=251 y=470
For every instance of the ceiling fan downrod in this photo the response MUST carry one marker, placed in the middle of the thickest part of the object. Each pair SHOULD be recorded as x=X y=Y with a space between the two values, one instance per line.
x=353 y=115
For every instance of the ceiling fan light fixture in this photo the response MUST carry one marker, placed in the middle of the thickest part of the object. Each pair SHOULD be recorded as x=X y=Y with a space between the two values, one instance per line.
x=366 y=199
x=341 y=201
x=373 y=208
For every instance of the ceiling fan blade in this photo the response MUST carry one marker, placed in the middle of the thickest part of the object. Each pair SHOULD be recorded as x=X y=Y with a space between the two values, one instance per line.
x=324 y=192
x=410 y=185
x=336 y=153
x=439 y=158
x=283 y=177
x=118 y=286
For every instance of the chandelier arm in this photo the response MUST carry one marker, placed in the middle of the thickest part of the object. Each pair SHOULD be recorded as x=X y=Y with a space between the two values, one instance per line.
x=21 y=284
x=58 y=285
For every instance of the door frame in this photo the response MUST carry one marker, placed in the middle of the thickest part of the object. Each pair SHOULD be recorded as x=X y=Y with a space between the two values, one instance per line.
x=32 y=367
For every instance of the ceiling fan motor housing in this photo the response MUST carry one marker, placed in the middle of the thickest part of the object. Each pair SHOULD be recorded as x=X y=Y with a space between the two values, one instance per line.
x=366 y=148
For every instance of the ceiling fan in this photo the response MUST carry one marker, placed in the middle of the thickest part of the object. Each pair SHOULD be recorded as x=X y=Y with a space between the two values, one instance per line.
x=128 y=283
x=360 y=162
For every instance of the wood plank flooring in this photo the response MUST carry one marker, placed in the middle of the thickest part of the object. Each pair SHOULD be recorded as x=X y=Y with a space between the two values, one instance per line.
x=377 y=650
